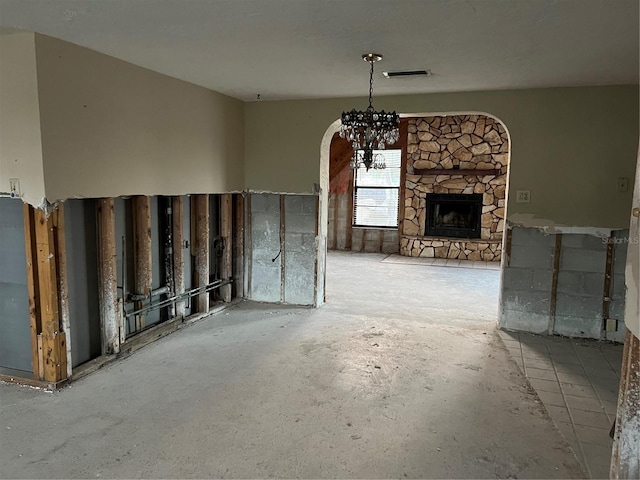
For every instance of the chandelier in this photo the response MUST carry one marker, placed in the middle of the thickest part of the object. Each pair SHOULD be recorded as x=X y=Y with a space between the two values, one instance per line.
x=369 y=130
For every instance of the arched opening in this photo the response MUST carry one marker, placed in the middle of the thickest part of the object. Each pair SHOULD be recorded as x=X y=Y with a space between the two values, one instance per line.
x=452 y=197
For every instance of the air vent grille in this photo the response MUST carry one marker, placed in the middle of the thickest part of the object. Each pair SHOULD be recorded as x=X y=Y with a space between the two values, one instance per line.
x=407 y=73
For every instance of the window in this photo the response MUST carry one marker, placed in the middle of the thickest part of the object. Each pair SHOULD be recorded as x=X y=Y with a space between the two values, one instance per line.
x=376 y=193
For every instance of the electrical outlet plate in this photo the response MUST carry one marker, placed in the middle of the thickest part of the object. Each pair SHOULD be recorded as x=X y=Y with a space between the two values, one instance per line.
x=14 y=187
x=523 y=196
x=623 y=185
x=612 y=325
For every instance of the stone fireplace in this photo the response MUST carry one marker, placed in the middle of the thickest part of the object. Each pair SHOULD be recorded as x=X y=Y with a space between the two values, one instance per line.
x=455 y=187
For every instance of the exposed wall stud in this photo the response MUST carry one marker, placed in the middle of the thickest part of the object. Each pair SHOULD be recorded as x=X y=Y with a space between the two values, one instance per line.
x=554 y=283
x=63 y=288
x=32 y=288
x=107 y=277
x=201 y=243
x=178 y=253
x=606 y=294
x=238 y=244
x=142 y=252
x=227 y=242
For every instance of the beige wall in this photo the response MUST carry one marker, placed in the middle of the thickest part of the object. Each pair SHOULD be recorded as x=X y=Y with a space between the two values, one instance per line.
x=569 y=146
x=20 y=147
x=110 y=128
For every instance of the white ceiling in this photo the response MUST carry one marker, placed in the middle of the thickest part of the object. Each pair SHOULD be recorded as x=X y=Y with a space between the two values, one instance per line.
x=312 y=48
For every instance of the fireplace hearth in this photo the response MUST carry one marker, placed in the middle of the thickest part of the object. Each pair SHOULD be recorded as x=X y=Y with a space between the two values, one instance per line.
x=453 y=215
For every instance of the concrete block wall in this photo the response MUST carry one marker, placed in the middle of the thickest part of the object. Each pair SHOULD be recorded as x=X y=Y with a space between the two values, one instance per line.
x=527 y=284
x=265 y=246
x=370 y=240
x=283 y=269
x=300 y=249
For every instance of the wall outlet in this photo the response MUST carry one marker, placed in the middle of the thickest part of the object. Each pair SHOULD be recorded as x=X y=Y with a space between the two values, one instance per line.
x=14 y=187
x=611 y=325
x=523 y=196
x=623 y=185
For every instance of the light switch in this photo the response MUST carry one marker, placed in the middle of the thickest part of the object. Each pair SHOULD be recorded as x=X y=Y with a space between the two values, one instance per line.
x=14 y=187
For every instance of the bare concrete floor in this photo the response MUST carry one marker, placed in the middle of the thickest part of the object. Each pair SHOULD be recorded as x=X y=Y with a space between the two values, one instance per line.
x=398 y=375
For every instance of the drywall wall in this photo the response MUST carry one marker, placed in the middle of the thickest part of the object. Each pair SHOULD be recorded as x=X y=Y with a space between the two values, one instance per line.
x=20 y=147
x=569 y=146
x=110 y=128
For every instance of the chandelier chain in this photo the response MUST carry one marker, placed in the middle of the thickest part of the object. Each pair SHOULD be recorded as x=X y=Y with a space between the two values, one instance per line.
x=371 y=86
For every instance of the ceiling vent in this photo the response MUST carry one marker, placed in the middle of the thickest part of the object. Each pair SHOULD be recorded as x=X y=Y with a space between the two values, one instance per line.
x=408 y=73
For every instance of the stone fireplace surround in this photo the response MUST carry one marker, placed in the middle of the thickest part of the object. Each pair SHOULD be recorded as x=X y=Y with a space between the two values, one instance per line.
x=447 y=154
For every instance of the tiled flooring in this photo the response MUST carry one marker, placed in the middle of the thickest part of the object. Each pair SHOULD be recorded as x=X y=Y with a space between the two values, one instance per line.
x=441 y=262
x=577 y=381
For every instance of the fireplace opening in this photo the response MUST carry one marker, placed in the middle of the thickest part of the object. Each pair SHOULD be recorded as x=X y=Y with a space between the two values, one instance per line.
x=454 y=215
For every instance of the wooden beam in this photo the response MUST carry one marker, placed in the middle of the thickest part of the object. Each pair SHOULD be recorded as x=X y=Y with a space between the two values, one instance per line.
x=554 y=283
x=226 y=207
x=178 y=252
x=201 y=243
x=625 y=456
x=142 y=252
x=107 y=277
x=32 y=289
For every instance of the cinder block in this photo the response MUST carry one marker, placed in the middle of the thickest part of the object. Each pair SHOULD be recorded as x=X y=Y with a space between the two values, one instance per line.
x=542 y=280
x=532 y=256
x=532 y=301
x=618 y=287
x=584 y=241
x=517 y=278
x=299 y=222
x=593 y=284
x=576 y=326
x=523 y=321
x=616 y=309
x=265 y=202
x=293 y=203
x=620 y=251
x=580 y=260
x=265 y=282
x=530 y=236
x=579 y=306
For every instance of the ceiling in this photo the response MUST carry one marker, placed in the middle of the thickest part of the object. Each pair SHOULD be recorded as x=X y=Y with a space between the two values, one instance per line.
x=291 y=49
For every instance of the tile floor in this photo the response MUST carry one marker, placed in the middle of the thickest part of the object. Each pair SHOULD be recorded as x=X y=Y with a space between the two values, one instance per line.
x=577 y=381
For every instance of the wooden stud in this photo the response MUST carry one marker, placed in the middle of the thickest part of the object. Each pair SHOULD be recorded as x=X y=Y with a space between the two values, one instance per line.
x=201 y=245
x=626 y=450
x=507 y=246
x=606 y=294
x=238 y=243
x=178 y=253
x=554 y=283
x=107 y=277
x=63 y=288
x=53 y=344
x=248 y=246
x=142 y=252
x=226 y=208
x=32 y=289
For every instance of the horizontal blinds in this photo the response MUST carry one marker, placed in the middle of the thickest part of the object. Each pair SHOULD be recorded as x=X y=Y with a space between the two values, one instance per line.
x=376 y=192
x=376 y=207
